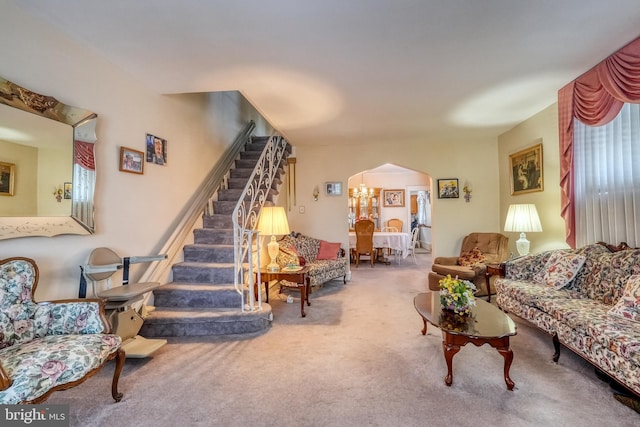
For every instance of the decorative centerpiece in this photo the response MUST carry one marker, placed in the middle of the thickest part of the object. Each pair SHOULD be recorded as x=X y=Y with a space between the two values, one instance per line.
x=456 y=295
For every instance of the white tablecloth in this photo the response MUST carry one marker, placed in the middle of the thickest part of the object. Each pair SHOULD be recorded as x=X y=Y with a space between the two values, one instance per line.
x=386 y=239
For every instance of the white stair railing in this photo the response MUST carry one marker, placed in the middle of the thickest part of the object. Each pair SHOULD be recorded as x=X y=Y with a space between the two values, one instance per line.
x=246 y=240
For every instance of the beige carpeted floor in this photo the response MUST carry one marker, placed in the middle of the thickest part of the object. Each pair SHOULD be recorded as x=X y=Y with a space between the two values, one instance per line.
x=357 y=359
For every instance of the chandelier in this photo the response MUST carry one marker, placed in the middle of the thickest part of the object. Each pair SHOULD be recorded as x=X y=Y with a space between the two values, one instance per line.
x=362 y=191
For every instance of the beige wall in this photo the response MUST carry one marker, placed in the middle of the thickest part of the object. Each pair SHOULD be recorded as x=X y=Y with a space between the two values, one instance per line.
x=543 y=125
x=469 y=161
x=134 y=213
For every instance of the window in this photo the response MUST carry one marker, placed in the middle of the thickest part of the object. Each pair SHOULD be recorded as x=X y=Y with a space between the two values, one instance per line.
x=607 y=179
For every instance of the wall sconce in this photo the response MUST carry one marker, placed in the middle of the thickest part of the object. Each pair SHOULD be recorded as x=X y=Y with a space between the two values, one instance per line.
x=316 y=193
x=57 y=193
x=467 y=192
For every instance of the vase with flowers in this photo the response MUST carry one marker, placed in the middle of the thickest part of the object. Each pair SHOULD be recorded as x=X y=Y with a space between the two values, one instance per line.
x=456 y=295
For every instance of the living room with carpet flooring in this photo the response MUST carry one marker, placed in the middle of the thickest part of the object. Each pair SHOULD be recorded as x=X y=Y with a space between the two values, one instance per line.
x=358 y=358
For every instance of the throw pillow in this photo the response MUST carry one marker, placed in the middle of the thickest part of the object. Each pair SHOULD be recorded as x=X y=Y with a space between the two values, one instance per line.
x=628 y=306
x=287 y=255
x=328 y=250
x=472 y=257
x=560 y=269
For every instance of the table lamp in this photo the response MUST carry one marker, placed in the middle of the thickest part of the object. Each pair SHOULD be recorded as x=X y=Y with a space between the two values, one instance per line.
x=522 y=218
x=273 y=221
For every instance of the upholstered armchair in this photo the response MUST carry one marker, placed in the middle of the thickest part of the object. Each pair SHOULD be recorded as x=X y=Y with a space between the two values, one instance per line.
x=477 y=250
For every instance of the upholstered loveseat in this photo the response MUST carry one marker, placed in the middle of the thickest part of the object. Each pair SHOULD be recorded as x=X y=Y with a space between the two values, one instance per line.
x=49 y=346
x=326 y=261
x=588 y=299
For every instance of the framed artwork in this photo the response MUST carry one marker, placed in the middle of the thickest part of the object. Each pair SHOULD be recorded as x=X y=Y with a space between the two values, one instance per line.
x=333 y=188
x=448 y=188
x=526 y=170
x=393 y=198
x=131 y=161
x=7 y=178
x=156 y=150
x=67 y=189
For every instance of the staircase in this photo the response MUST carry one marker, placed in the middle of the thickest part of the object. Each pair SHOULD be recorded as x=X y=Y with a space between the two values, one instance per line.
x=202 y=299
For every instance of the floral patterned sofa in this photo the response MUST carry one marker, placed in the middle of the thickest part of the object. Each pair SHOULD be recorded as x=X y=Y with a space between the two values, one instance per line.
x=326 y=261
x=588 y=299
x=49 y=346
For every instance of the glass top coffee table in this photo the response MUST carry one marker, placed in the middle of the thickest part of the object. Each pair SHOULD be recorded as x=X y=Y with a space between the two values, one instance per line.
x=486 y=324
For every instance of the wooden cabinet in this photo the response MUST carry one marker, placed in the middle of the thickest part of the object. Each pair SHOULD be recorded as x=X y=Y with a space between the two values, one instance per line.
x=364 y=207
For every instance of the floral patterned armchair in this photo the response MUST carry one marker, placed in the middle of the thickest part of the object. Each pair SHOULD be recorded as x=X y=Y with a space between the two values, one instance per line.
x=49 y=346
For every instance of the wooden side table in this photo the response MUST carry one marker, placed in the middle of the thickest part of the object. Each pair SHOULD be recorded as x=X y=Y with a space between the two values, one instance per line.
x=493 y=270
x=299 y=278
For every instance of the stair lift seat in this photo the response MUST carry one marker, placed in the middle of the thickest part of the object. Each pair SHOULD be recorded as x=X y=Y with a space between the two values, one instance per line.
x=103 y=263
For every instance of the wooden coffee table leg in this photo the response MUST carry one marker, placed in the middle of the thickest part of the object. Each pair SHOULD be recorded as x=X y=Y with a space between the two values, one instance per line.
x=424 y=328
x=450 y=350
x=308 y=281
x=508 y=358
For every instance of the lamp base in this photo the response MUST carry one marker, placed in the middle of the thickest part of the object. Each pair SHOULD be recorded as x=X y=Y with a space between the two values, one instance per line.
x=273 y=268
x=522 y=244
x=273 y=248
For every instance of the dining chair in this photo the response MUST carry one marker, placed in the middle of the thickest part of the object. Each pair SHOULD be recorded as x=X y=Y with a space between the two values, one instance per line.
x=364 y=241
x=414 y=241
x=395 y=222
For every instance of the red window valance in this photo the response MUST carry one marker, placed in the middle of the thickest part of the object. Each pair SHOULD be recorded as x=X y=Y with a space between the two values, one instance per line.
x=595 y=98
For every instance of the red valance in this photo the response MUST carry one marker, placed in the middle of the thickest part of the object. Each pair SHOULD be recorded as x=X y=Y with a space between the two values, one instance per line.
x=83 y=155
x=595 y=98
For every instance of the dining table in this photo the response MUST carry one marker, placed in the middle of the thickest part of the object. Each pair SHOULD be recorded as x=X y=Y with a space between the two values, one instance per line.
x=395 y=240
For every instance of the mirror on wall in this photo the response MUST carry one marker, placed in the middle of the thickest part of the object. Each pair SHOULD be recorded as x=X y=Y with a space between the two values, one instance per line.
x=47 y=165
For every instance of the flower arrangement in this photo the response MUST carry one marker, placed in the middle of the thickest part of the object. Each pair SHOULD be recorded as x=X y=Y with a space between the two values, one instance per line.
x=457 y=295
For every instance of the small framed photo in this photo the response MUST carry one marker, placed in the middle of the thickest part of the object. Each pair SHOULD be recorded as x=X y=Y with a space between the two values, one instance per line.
x=393 y=198
x=156 y=150
x=526 y=170
x=448 y=188
x=333 y=188
x=68 y=189
x=131 y=161
x=7 y=178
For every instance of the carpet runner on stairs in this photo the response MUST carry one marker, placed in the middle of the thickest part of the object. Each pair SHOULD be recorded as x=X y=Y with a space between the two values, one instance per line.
x=202 y=300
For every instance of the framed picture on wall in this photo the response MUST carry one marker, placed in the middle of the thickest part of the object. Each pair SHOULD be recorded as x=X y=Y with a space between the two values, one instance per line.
x=448 y=188
x=156 y=150
x=7 y=178
x=333 y=188
x=393 y=198
x=131 y=161
x=526 y=170
x=68 y=188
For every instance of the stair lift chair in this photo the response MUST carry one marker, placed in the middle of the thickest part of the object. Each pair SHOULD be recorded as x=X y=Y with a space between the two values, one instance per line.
x=125 y=320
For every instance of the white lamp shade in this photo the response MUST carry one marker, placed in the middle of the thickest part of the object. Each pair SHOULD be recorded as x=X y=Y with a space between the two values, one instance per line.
x=273 y=221
x=522 y=218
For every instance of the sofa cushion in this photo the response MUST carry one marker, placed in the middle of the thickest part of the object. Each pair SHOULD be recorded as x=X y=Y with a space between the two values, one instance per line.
x=560 y=269
x=328 y=250
x=459 y=271
x=42 y=363
x=472 y=257
x=525 y=267
x=610 y=273
x=628 y=306
x=528 y=292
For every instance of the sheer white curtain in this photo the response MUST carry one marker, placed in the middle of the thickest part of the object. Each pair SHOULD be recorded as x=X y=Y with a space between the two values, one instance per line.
x=607 y=180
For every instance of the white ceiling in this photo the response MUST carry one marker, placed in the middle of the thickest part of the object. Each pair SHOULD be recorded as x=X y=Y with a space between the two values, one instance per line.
x=359 y=71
